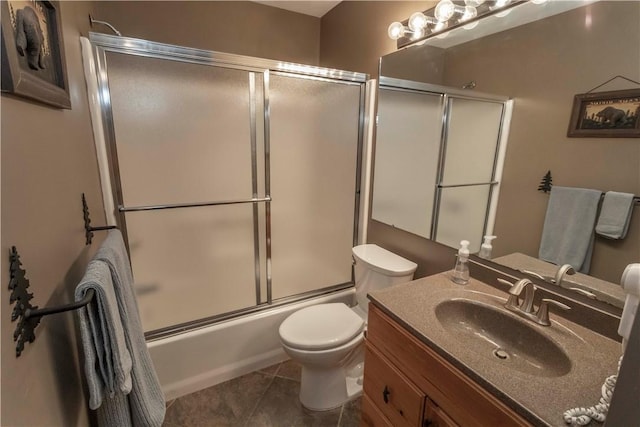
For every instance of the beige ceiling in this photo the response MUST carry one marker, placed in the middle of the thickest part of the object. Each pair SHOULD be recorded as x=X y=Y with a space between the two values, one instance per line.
x=313 y=8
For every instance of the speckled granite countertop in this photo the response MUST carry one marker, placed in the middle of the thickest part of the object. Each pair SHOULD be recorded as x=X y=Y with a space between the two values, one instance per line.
x=540 y=397
x=608 y=292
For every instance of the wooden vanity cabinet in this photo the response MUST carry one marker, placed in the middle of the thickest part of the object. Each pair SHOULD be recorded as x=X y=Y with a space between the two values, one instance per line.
x=407 y=384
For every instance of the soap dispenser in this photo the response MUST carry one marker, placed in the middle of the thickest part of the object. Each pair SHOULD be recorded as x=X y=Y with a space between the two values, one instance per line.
x=460 y=274
x=485 y=249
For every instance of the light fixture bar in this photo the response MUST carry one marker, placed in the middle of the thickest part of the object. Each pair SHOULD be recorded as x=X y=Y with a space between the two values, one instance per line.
x=446 y=15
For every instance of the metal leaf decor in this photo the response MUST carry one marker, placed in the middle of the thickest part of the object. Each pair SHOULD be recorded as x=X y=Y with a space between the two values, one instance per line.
x=545 y=184
x=18 y=285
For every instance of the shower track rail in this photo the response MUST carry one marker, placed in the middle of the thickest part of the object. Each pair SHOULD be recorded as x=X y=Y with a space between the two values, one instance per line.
x=190 y=205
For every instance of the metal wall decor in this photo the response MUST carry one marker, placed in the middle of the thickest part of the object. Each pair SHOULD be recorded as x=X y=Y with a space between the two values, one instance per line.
x=87 y=223
x=18 y=285
x=27 y=315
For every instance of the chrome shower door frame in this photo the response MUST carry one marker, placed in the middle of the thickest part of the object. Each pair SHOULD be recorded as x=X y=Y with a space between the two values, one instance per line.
x=103 y=43
x=448 y=93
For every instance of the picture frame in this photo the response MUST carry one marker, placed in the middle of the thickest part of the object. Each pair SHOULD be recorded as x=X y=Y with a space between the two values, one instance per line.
x=613 y=114
x=33 y=60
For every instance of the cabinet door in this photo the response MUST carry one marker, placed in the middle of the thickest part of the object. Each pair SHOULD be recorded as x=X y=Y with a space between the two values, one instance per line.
x=371 y=416
x=397 y=398
x=436 y=377
x=434 y=416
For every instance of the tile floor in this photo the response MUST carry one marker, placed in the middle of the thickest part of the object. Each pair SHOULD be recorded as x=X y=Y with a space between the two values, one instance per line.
x=264 y=398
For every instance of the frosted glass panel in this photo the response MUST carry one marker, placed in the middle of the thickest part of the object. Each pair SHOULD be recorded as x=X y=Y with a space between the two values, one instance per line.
x=314 y=141
x=463 y=212
x=472 y=140
x=182 y=130
x=193 y=263
x=406 y=160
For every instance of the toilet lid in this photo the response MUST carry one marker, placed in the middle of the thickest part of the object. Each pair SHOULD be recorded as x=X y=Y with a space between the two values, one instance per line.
x=321 y=327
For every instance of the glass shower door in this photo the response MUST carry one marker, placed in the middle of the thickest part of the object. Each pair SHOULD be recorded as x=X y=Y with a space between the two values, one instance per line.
x=407 y=152
x=468 y=172
x=314 y=146
x=185 y=139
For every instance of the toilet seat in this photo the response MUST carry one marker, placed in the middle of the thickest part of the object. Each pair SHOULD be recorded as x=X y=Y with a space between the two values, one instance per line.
x=321 y=327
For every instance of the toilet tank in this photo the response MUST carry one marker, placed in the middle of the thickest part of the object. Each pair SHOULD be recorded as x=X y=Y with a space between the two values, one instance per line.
x=376 y=268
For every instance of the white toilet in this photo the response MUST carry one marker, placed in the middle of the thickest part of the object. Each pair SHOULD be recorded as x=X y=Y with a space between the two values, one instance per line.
x=326 y=339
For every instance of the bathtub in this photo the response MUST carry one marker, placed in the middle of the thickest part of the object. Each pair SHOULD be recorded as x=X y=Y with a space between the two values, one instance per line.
x=195 y=360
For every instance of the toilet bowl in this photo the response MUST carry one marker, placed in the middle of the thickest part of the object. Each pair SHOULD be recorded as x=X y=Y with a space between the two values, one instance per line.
x=327 y=339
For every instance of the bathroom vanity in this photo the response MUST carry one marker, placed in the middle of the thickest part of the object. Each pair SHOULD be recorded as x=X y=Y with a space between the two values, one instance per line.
x=440 y=354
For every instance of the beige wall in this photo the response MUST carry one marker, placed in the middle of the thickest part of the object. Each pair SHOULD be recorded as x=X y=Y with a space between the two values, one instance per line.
x=48 y=161
x=542 y=65
x=238 y=27
x=354 y=37
x=354 y=33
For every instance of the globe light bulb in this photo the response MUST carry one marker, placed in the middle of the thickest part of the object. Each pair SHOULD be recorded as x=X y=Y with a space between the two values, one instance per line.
x=417 y=21
x=474 y=3
x=396 y=30
x=444 y=10
x=469 y=13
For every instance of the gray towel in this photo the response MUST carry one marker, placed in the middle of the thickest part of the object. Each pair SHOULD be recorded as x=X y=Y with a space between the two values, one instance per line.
x=107 y=359
x=567 y=236
x=146 y=401
x=615 y=215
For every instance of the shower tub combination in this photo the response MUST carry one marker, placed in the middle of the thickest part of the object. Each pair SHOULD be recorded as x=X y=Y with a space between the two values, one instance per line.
x=236 y=183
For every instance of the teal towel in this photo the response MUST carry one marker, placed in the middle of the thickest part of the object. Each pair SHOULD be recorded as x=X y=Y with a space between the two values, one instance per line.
x=567 y=235
x=615 y=215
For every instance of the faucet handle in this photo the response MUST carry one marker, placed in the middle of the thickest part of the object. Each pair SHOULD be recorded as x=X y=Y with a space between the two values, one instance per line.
x=542 y=316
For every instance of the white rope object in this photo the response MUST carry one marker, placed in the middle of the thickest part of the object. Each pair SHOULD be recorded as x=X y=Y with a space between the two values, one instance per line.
x=583 y=416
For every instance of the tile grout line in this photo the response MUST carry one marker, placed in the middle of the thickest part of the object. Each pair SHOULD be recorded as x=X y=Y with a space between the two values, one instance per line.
x=340 y=417
x=273 y=377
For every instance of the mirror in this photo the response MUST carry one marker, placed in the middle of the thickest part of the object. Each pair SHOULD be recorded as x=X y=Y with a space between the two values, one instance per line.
x=540 y=58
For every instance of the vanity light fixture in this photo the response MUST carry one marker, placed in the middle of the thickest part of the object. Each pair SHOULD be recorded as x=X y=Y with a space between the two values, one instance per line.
x=448 y=14
x=417 y=25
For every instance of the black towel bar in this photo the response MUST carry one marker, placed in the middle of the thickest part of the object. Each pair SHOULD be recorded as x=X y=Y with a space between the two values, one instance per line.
x=546 y=184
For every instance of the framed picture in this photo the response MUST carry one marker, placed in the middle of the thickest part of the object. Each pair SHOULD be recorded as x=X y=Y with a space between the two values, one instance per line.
x=613 y=114
x=33 y=64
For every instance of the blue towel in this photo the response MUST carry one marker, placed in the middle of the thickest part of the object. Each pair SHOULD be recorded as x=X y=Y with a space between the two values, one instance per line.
x=145 y=404
x=615 y=215
x=567 y=235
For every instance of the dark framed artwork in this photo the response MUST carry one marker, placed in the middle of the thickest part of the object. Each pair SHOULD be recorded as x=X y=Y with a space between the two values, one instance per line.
x=33 y=63
x=613 y=114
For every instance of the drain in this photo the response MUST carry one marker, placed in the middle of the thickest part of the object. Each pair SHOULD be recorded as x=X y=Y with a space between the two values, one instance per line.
x=500 y=354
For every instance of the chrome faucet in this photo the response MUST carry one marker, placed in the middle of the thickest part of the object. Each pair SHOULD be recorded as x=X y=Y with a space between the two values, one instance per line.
x=561 y=272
